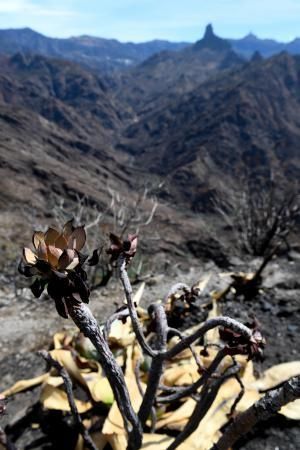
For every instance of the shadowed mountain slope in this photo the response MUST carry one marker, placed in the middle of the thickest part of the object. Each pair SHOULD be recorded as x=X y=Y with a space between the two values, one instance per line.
x=167 y=73
x=64 y=129
x=248 y=116
x=58 y=125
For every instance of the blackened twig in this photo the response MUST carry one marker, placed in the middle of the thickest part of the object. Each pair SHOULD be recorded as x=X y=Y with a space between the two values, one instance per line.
x=118 y=315
x=193 y=351
x=187 y=391
x=132 y=311
x=141 y=391
x=262 y=410
x=156 y=369
x=226 y=322
x=208 y=396
x=88 y=441
x=239 y=397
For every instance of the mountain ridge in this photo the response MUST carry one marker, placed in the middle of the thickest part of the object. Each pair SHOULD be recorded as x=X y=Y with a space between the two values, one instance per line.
x=67 y=129
x=110 y=54
x=247 y=117
x=93 y=52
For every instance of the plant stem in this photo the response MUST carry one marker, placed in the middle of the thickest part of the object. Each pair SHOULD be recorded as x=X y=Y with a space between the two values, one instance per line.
x=132 y=311
x=157 y=365
x=88 y=441
x=88 y=325
x=226 y=322
x=262 y=410
x=208 y=395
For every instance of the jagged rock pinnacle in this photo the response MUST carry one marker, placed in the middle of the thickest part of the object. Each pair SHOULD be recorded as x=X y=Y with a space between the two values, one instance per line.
x=209 y=32
x=211 y=41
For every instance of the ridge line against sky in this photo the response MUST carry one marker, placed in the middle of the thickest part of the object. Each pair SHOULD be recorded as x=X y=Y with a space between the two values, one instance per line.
x=144 y=20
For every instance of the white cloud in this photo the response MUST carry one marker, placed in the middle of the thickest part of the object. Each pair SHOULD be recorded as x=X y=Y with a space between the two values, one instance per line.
x=32 y=9
x=12 y=6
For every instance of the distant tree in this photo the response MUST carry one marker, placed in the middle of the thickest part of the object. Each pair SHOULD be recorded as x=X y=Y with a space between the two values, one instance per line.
x=260 y=213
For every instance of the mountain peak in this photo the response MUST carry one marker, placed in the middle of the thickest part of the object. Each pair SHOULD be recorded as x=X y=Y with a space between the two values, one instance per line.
x=209 y=32
x=250 y=37
x=211 y=41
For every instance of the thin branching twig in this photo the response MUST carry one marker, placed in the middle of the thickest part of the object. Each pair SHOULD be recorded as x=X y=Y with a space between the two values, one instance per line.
x=88 y=441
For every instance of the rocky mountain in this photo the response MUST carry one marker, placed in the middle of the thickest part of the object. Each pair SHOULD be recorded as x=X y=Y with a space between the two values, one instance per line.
x=155 y=81
x=248 y=116
x=110 y=54
x=192 y=120
x=60 y=91
x=250 y=44
x=59 y=129
x=92 y=52
x=57 y=125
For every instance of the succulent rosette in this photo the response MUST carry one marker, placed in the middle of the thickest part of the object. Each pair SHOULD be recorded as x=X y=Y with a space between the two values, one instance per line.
x=56 y=262
x=252 y=347
x=127 y=247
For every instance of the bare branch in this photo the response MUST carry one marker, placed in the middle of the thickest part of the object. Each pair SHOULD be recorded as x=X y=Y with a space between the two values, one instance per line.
x=226 y=322
x=208 y=395
x=262 y=410
x=132 y=311
x=189 y=390
x=257 y=213
x=157 y=365
x=88 y=441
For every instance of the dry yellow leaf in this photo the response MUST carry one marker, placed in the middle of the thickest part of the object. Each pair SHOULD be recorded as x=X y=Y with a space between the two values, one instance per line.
x=212 y=336
x=99 y=388
x=156 y=441
x=58 y=339
x=117 y=441
x=22 y=385
x=178 y=418
x=113 y=427
x=181 y=375
x=65 y=358
x=207 y=432
x=54 y=381
x=139 y=294
x=159 y=442
x=55 y=398
x=201 y=285
x=90 y=375
x=276 y=375
x=121 y=333
x=247 y=370
x=291 y=410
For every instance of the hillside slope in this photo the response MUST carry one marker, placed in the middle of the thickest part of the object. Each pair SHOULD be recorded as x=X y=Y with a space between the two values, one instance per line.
x=165 y=74
x=249 y=116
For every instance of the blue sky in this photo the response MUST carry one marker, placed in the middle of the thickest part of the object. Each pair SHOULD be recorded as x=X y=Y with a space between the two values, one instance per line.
x=142 y=20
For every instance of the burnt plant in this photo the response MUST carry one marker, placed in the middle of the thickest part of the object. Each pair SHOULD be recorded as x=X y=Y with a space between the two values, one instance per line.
x=259 y=213
x=58 y=264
